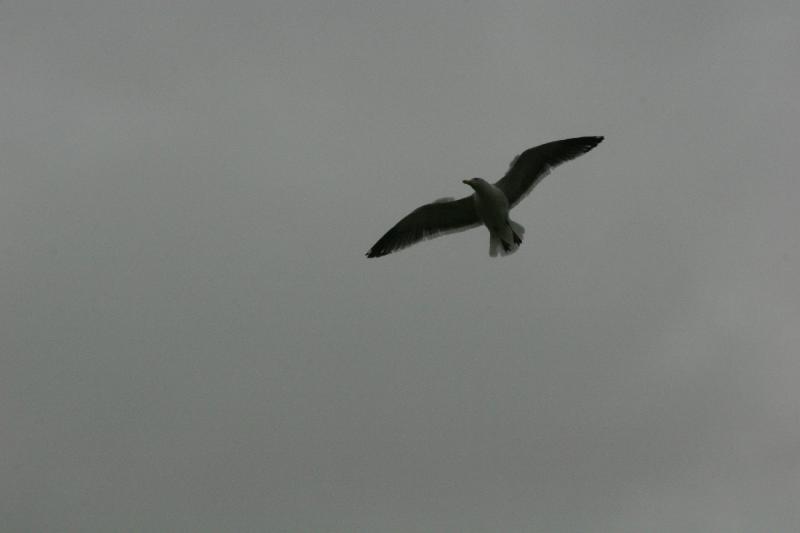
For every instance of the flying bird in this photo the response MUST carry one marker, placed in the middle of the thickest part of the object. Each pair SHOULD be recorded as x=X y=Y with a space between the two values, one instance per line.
x=488 y=205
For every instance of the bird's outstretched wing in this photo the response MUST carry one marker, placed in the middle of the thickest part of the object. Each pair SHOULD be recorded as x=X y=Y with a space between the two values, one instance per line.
x=529 y=167
x=430 y=220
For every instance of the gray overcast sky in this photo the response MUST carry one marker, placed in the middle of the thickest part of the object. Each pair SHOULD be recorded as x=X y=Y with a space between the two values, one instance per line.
x=191 y=338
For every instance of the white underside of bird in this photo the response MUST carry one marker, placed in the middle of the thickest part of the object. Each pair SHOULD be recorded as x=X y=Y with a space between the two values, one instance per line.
x=491 y=203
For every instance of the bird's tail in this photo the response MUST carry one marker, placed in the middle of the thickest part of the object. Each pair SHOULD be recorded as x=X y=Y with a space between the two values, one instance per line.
x=518 y=230
x=509 y=242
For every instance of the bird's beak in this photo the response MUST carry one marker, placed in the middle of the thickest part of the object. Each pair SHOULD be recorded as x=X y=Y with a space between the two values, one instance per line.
x=465 y=182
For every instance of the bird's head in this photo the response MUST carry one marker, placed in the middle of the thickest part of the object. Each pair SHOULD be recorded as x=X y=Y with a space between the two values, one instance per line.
x=474 y=182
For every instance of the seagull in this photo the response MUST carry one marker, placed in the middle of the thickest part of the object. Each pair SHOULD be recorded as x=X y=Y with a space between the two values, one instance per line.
x=488 y=205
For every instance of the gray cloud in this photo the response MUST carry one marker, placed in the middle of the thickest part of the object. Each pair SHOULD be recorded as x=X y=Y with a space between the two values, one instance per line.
x=191 y=338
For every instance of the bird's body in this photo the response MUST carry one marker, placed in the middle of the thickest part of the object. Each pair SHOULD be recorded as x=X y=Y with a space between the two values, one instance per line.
x=489 y=205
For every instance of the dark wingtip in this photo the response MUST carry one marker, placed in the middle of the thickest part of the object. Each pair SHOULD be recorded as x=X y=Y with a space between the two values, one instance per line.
x=590 y=142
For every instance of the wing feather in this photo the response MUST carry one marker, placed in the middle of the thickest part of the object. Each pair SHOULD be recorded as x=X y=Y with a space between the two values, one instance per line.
x=528 y=168
x=431 y=220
